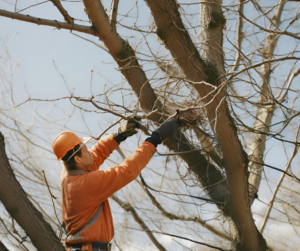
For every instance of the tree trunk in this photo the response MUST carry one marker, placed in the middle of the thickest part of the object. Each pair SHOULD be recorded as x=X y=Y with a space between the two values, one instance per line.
x=210 y=177
x=22 y=210
x=211 y=21
x=172 y=32
x=208 y=174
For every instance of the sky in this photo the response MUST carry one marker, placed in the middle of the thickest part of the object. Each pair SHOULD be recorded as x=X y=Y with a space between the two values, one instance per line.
x=47 y=63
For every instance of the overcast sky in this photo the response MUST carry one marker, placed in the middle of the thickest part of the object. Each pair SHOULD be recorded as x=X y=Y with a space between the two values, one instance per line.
x=34 y=50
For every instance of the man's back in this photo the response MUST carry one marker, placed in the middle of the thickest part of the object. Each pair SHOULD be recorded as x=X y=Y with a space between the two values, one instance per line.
x=79 y=207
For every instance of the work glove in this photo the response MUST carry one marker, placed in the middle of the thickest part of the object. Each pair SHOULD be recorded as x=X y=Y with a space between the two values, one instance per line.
x=167 y=129
x=127 y=128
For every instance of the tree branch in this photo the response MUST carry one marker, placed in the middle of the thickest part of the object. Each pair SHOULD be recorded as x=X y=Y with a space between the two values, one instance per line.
x=264 y=115
x=208 y=147
x=61 y=9
x=184 y=238
x=239 y=37
x=106 y=33
x=271 y=31
x=173 y=216
x=209 y=176
x=113 y=14
x=128 y=208
x=294 y=74
x=172 y=32
x=40 y=21
x=263 y=224
x=182 y=217
x=28 y=217
x=2 y=247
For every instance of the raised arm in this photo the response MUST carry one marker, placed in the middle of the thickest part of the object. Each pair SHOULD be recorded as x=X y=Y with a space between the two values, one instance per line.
x=102 y=184
x=105 y=146
x=102 y=149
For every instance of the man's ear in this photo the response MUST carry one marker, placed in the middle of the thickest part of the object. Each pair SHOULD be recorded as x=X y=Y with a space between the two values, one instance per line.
x=77 y=159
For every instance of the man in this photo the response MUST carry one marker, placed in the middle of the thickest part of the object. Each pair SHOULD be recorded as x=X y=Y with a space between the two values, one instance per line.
x=85 y=189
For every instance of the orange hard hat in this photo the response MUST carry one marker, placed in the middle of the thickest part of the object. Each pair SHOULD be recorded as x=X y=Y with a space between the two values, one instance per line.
x=65 y=142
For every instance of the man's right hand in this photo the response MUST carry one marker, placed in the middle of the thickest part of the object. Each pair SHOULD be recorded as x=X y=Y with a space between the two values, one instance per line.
x=167 y=129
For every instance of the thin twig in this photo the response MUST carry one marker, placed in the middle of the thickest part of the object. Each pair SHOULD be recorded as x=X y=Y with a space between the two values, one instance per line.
x=263 y=224
x=52 y=197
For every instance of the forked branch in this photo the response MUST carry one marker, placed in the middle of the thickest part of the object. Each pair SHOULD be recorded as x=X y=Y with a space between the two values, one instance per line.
x=62 y=10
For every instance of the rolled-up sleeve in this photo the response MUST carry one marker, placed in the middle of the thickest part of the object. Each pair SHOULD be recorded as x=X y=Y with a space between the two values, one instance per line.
x=102 y=184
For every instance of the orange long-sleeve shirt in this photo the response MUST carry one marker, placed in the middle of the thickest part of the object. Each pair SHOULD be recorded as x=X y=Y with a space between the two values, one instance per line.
x=84 y=192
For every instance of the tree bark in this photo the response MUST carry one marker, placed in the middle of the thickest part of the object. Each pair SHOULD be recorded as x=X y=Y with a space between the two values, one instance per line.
x=172 y=32
x=100 y=19
x=264 y=114
x=41 y=21
x=211 y=37
x=212 y=22
x=22 y=210
x=62 y=10
x=209 y=176
x=2 y=247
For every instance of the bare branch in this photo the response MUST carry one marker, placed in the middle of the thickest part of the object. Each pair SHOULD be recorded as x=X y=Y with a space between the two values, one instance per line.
x=40 y=21
x=28 y=217
x=239 y=37
x=2 y=247
x=182 y=217
x=136 y=77
x=113 y=14
x=127 y=207
x=65 y=14
x=173 y=216
x=294 y=74
x=263 y=224
x=52 y=197
x=184 y=238
x=208 y=147
x=271 y=31
x=264 y=115
x=106 y=33
x=186 y=55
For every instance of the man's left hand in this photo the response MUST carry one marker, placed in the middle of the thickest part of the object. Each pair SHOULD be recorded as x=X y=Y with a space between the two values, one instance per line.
x=129 y=127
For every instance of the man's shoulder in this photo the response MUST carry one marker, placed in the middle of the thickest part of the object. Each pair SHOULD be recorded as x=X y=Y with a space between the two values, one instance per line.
x=63 y=176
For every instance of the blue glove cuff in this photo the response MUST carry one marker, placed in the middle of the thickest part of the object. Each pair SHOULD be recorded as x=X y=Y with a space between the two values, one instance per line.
x=119 y=138
x=154 y=139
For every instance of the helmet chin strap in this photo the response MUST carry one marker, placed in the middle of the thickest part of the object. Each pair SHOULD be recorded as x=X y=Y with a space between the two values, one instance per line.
x=74 y=152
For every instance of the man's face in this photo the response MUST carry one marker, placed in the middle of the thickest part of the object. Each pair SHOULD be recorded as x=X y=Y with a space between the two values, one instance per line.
x=86 y=159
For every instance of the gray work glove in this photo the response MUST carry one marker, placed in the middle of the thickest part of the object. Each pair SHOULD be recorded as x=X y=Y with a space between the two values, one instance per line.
x=129 y=127
x=167 y=129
